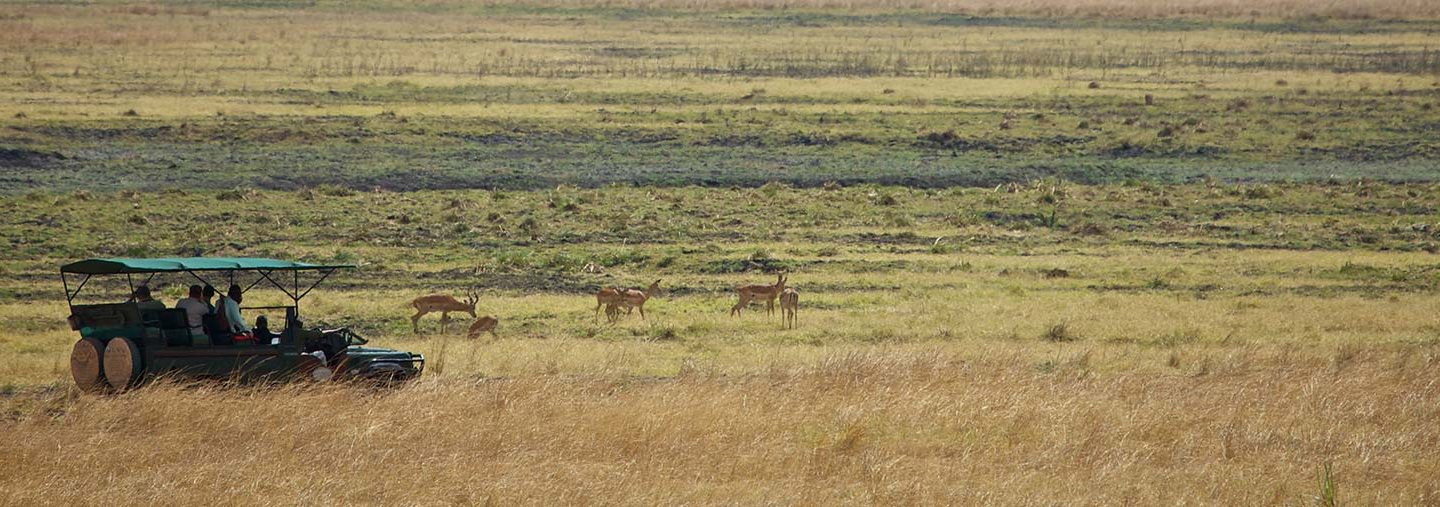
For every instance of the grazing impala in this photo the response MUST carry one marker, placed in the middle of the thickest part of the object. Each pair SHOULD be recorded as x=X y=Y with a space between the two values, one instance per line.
x=483 y=325
x=789 y=303
x=444 y=304
x=750 y=293
x=631 y=299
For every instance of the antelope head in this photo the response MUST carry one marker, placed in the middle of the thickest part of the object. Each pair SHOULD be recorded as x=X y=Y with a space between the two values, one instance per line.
x=471 y=298
x=654 y=288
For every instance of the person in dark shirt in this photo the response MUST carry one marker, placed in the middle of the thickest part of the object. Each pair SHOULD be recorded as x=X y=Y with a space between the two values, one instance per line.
x=144 y=301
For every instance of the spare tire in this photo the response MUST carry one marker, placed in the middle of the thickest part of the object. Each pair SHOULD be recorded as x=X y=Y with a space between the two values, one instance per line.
x=85 y=365
x=122 y=363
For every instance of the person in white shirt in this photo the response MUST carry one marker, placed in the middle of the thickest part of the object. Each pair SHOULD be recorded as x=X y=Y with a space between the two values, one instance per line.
x=195 y=311
x=230 y=305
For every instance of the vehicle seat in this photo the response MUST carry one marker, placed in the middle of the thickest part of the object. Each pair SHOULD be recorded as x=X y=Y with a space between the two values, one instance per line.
x=175 y=327
x=219 y=337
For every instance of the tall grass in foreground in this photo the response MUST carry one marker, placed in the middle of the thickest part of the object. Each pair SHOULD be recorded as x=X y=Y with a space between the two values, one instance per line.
x=918 y=428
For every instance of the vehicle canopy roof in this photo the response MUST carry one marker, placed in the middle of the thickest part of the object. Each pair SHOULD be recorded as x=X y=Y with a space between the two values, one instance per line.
x=183 y=264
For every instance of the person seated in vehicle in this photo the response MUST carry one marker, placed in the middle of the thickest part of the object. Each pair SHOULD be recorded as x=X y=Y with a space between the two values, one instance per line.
x=228 y=311
x=195 y=311
x=208 y=296
x=144 y=301
x=263 y=335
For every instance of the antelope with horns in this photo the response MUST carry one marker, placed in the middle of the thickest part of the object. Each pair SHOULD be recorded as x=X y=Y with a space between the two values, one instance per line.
x=444 y=304
x=750 y=293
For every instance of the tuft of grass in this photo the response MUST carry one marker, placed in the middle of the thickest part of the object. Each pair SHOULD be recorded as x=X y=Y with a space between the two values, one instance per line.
x=1328 y=495
x=1059 y=333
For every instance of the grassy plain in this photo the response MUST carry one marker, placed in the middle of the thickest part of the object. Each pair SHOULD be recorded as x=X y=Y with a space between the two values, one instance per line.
x=1017 y=287
x=523 y=96
x=1214 y=344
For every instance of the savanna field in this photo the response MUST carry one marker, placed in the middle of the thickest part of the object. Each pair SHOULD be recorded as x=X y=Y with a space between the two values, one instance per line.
x=1098 y=252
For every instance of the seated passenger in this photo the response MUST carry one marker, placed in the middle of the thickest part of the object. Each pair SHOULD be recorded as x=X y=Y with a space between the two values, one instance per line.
x=229 y=307
x=195 y=310
x=262 y=332
x=144 y=301
x=209 y=295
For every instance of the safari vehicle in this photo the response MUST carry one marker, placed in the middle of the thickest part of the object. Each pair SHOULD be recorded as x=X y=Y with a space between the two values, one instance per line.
x=122 y=345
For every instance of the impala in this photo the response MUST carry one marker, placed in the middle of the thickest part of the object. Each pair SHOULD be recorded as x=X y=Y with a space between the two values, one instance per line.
x=789 y=303
x=483 y=325
x=631 y=299
x=444 y=304
x=607 y=297
x=750 y=293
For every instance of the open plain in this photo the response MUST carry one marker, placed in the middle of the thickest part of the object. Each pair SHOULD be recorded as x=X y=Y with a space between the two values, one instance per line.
x=1101 y=252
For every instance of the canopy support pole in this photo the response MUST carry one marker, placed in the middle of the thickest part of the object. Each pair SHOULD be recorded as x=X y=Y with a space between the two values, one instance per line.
x=197 y=277
x=264 y=275
x=324 y=274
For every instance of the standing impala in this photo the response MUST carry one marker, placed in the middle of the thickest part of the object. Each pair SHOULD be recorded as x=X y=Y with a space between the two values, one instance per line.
x=789 y=304
x=750 y=293
x=607 y=297
x=631 y=299
x=444 y=304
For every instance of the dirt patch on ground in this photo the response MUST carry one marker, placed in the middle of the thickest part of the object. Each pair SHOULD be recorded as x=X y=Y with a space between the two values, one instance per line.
x=21 y=157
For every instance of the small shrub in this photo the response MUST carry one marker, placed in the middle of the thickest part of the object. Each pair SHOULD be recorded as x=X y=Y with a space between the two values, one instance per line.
x=1094 y=85
x=1090 y=229
x=1261 y=192
x=773 y=189
x=130 y=112
x=334 y=190
x=138 y=220
x=1059 y=333
x=530 y=226
x=828 y=251
x=665 y=334
x=1055 y=273
x=238 y=194
x=1305 y=135
x=899 y=220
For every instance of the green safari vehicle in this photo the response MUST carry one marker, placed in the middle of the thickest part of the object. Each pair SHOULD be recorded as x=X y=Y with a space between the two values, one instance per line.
x=126 y=344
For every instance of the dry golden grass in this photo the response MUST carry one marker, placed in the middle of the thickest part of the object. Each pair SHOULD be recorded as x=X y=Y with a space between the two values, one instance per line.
x=1050 y=8
x=868 y=426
